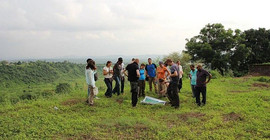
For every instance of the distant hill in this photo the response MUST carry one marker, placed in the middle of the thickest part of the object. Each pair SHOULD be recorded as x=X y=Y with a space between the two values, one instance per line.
x=98 y=59
x=38 y=72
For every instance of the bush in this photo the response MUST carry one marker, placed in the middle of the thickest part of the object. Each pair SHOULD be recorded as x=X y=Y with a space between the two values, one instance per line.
x=215 y=74
x=63 y=88
x=263 y=79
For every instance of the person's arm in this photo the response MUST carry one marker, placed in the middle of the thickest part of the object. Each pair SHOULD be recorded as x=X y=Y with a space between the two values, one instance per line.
x=125 y=72
x=138 y=73
x=209 y=78
x=168 y=72
x=105 y=72
x=91 y=77
x=174 y=74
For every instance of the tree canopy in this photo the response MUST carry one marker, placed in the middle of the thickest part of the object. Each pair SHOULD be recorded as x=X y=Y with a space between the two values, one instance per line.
x=225 y=49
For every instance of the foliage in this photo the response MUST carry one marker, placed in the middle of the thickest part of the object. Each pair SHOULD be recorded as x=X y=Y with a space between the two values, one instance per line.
x=37 y=72
x=63 y=88
x=215 y=74
x=227 y=49
x=235 y=109
x=263 y=79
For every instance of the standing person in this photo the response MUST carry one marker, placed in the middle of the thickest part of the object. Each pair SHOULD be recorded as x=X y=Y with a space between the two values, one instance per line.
x=133 y=76
x=161 y=76
x=201 y=84
x=141 y=83
x=172 y=89
x=90 y=80
x=122 y=78
x=117 y=75
x=95 y=77
x=108 y=73
x=151 y=74
x=180 y=75
x=193 y=78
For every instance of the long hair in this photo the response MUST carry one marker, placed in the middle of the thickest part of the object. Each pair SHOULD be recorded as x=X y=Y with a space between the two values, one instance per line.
x=91 y=65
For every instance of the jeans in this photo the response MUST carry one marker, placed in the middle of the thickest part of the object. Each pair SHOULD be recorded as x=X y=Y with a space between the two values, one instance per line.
x=173 y=94
x=117 y=86
x=152 y=80
x=108 y=83
x=180 y=84
x=193 y=88
x=122 y=84
x=134 y=91
x=198 y=91
x=141 y=85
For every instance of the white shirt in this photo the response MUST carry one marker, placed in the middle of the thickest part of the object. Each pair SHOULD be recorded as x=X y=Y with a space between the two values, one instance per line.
x=89 y=75
x=180 y=71
x=108 y=75
x=122 y=69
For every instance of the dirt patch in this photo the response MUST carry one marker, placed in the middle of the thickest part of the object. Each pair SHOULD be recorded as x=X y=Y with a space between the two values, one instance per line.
x=120 y=101
x=260 y=85
x=185 y=116
x=232 y=117
x=72 y=102
x=238 y=91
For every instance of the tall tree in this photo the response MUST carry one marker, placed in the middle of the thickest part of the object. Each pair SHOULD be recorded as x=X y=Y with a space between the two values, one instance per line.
x=258 y=41
x=212 y=45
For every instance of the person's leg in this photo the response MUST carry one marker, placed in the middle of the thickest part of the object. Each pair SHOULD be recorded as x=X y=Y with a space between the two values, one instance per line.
x=175 y=96
x=107 y=84
x=122 y=84
x=143 y=88
x=134 y=91
x=180 y=84
x=193 y=91
x=117 y=85
x=91 y=97
x=169 y=92
x=198 y=101
x=155 y=85
x=150 y=80
x=204 y=95
x=139 y=88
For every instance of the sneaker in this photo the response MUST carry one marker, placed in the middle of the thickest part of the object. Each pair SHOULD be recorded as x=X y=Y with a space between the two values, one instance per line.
x=97 y=98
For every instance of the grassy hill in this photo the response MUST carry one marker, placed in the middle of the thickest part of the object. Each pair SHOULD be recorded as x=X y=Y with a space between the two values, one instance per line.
x=237 y=108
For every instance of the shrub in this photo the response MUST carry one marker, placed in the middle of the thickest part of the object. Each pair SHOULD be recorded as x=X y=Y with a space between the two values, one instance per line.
x=63 y=88
x=263 y=79
x=215 y=74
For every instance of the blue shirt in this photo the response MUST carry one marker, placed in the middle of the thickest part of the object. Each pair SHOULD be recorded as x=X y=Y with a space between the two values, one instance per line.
x=193 y=75
x=142 y=75
x=151 y=70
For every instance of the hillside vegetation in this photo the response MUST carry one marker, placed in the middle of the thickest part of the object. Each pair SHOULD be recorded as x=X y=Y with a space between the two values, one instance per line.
x=237 y=108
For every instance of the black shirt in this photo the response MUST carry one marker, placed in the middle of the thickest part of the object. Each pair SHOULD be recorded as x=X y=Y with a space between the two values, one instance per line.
x=201 y=78
x=117 y=70
x=132 y=72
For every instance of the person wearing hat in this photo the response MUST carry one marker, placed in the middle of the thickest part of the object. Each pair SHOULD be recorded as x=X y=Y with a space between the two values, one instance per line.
x=151 y=74
x=161 y=76
x=173 y=86
x=117 y=75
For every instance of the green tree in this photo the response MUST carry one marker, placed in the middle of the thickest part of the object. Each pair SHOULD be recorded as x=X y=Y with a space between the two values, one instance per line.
x=215 y=46
x=258 y=42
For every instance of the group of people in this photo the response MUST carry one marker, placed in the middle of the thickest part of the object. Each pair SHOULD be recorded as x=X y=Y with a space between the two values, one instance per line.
x=166 y=79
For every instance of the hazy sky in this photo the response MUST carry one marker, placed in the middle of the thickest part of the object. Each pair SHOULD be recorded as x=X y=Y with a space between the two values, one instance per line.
x=57 y=28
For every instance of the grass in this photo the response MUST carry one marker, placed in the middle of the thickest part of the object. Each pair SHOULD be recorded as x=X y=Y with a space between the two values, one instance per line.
x=237 y=108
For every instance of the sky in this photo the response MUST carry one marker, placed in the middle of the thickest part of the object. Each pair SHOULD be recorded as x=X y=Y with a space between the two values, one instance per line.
x=83 y=28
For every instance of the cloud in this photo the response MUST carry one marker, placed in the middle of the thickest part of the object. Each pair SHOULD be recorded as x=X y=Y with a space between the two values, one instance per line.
x=53 y=28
